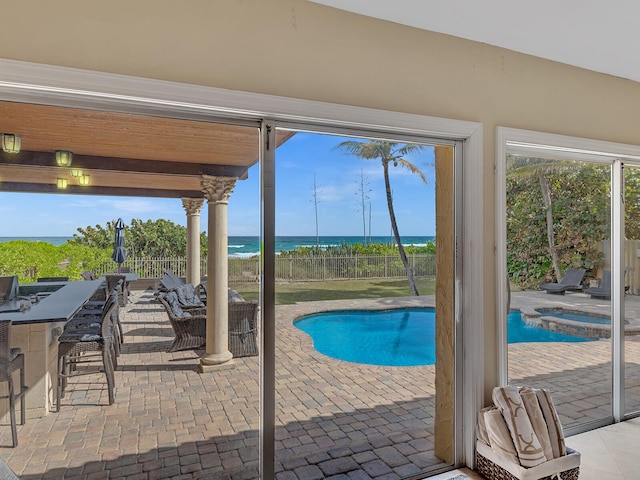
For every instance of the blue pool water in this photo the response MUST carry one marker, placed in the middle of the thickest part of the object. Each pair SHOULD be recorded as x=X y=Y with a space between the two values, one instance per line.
x=576 y=316
x=400 y=338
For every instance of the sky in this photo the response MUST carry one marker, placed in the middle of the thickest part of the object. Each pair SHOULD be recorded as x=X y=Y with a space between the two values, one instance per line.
x=300 y=160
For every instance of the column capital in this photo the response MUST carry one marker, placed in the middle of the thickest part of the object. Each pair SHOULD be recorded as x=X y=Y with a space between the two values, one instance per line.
x=217 y=189
x=192 y=205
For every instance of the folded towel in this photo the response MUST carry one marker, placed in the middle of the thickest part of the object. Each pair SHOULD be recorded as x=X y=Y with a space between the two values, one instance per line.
x=481 y=431
x=499 y=436
x=554 y=427
x=527 y=445
x=538 y=422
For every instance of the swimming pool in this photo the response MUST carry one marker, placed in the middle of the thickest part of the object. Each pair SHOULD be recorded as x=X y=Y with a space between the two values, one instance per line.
x=401 y=338
x=575 y=315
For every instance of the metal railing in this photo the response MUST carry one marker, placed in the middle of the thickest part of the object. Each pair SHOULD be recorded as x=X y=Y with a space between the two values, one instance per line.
x=293 y=269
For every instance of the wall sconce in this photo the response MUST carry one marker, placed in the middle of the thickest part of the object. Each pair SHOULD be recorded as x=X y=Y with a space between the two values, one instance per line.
x=63 y=158
x=11 y=143
x=76 y=172
x=61 y=183
x=84 y=180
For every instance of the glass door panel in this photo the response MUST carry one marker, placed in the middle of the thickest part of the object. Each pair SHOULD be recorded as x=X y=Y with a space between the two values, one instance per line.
x=558 y=221
x=355 y=345
x=632 y=290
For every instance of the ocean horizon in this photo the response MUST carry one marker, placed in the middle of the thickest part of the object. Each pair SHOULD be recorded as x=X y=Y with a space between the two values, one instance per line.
x=248 y=246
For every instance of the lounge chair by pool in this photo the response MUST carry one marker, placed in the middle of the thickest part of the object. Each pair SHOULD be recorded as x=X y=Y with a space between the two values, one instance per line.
x=604 y=290
x=572 y=280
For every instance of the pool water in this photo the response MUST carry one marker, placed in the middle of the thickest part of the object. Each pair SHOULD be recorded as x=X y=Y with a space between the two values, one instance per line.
x=401 y=337
x=519 y=332
x=575 y=316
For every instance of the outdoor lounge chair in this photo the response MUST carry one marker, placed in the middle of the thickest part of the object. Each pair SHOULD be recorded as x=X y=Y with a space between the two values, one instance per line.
x=169 y=281
x=190 y=327
x=572 y=280
x=604 y=290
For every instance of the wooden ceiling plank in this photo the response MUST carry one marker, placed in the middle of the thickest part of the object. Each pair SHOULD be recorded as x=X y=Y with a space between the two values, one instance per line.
x=89 y=162
x=103 y=191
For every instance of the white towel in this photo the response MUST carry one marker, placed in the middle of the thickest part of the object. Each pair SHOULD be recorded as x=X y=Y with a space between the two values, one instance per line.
x=499 y=436
x=527 y=445
x=554 y=427
x=538 y=422
x=481 y=431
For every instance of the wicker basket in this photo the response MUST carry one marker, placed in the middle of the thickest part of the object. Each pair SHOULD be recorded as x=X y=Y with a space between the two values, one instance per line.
x=488 y=465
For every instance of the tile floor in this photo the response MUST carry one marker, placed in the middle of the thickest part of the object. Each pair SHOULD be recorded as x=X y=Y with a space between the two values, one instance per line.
x=610 y=452
x=607 y=453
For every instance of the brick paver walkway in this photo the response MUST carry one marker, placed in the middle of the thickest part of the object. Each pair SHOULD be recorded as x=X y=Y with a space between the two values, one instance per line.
x=335 y=419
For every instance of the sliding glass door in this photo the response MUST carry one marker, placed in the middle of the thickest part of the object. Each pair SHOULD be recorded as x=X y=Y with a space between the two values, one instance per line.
x=631 y=285
x=571 y=205
x=363 y=287
x=558 y=226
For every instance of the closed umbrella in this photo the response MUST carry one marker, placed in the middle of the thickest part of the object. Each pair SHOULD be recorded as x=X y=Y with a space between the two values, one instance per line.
x=119 y=253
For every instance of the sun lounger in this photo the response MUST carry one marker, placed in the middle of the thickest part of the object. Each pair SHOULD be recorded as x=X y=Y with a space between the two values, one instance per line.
x=604 y=290
x=572 y=280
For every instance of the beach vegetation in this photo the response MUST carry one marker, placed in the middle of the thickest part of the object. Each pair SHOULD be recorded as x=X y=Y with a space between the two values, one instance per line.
x=150 y=238
x=346 y=248
x=31 y=260
x=394 y=154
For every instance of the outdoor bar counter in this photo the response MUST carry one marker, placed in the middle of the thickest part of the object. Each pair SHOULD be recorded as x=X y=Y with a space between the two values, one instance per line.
x=36 y=330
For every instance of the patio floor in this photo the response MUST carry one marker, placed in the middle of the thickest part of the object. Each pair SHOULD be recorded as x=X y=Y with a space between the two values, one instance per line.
x=334 y=419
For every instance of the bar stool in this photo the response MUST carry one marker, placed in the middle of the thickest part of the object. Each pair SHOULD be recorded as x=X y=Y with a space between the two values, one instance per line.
x=92 y=345
x=12 y=359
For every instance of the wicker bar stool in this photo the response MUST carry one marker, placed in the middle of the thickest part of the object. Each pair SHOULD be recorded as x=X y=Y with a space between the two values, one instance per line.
x=91 y=346
x=12 y=359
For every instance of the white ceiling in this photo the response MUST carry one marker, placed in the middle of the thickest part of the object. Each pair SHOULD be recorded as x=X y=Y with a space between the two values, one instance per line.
x=599 y=35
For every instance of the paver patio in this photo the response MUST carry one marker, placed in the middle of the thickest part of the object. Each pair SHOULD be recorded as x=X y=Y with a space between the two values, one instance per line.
x=335 y=419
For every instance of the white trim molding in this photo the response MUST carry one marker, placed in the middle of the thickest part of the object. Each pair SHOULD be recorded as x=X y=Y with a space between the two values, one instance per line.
x=61 y=86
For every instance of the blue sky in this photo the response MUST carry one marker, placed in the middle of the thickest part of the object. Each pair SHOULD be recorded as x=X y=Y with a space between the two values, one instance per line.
x=337 y=178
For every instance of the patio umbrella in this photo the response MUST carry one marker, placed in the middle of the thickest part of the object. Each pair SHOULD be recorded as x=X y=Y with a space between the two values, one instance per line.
x=119 y=253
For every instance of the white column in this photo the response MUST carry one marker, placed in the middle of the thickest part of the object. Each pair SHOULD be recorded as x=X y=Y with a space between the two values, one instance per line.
x=217 y=190
x=193 y=206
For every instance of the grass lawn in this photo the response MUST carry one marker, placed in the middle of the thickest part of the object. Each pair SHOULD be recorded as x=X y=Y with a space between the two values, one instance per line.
x=289 y=293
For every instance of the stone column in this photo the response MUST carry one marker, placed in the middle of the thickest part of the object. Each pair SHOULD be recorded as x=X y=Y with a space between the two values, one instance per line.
x=193 y=206
x=217 y=190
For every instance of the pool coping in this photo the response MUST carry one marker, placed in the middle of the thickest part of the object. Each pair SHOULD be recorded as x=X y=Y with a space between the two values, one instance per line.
x=572 y=327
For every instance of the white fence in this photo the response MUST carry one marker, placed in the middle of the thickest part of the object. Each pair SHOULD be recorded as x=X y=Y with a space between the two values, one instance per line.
x=295 y=269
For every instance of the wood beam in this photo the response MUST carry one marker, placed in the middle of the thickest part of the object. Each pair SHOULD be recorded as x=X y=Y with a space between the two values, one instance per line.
x=89 y=162
x=97 y=190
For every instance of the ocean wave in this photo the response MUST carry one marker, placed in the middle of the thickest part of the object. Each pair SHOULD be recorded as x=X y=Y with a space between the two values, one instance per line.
x=243 y=254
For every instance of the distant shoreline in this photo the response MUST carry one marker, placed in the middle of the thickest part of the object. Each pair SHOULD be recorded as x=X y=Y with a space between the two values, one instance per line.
x=249 y=246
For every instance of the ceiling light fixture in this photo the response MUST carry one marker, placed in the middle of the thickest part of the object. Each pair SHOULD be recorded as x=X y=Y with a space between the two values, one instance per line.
x=76 y=172
x=63 y=158
x=11 y=143
x=84 y=180
x=61 y=183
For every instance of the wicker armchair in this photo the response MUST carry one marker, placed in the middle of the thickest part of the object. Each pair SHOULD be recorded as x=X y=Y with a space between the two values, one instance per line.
x=190 y=327
x=243 y=328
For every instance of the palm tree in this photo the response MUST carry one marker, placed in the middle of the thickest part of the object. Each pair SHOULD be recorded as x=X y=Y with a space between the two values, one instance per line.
x=389 y=152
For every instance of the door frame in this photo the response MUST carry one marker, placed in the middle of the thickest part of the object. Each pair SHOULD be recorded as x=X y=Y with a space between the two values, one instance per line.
x=573 y=148
x=68 y=87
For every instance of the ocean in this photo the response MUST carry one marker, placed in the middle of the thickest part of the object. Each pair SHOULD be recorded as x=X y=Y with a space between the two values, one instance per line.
x=250 y=246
